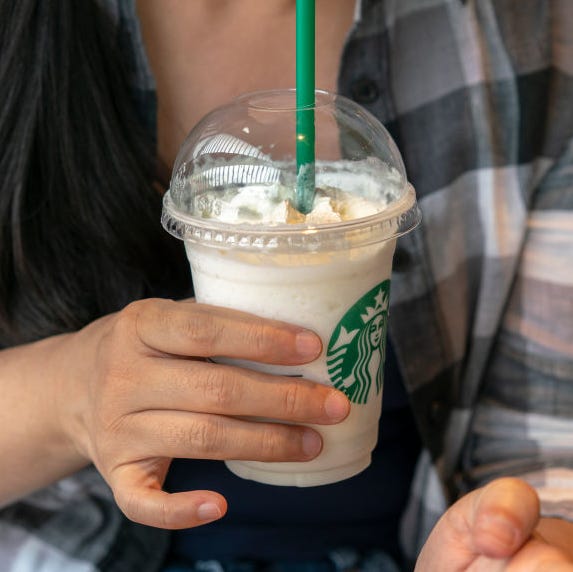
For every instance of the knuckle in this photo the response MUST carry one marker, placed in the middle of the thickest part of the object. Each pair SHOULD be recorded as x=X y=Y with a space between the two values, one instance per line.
x=129 y=503
x=292 y=400
x=141 y=316
x=222 y=393
x=274 y=443
x=127 y=318
x=123 y=329
x=259 y=337
x=161 y=513
x=135 y=510
x=200 y=329
x=166 y=514
x=204 y=438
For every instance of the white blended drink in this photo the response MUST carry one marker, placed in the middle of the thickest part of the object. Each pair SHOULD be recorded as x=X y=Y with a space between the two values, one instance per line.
x=232 y=200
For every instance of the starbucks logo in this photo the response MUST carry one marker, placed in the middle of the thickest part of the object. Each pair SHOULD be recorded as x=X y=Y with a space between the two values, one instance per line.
x=357 y=348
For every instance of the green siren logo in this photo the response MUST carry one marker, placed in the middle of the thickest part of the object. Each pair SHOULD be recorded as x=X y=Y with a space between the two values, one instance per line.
x=357 y=348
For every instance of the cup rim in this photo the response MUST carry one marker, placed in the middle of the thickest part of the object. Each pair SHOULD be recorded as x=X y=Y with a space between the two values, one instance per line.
x=399 y=218
x=323 y=98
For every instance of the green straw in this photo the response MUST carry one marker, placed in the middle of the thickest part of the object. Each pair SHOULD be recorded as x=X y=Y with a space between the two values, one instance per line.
x=305 y=31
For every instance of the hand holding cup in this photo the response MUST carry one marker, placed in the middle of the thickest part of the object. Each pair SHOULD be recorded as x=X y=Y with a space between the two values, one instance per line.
x=147 y=394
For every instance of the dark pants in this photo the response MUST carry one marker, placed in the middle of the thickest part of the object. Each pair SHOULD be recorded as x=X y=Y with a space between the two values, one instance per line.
x=337 y=561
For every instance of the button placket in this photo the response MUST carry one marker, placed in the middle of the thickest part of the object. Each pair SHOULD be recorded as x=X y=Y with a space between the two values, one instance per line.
x=364 y=90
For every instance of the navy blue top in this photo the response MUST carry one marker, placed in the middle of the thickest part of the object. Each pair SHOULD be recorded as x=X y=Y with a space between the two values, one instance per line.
x=267 y=522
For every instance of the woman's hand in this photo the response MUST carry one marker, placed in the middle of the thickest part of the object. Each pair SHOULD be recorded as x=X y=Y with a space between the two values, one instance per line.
x=143 y=394
x=493 y=530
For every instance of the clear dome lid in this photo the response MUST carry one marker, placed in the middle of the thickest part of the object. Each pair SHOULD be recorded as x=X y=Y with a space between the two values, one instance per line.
x=234 y=181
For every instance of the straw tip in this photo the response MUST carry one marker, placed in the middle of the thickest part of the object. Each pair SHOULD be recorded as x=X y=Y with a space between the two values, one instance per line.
x=305 y=188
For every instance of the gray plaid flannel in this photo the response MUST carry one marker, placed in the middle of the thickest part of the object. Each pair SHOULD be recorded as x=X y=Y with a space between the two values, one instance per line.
x=479 y=97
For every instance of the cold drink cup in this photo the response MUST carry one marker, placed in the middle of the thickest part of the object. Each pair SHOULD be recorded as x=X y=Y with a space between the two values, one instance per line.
x=232 y=200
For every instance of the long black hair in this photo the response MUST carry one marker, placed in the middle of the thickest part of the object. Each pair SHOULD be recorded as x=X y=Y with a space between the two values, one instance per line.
x=79 y=198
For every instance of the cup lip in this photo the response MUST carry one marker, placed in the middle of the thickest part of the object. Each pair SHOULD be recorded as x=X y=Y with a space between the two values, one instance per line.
x=402 y=216
x=323 y=98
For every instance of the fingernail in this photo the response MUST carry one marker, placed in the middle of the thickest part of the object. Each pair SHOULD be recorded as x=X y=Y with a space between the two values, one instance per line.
x=501 y=529
x=311 y=443
x=208 y=511
x=308 y=345
x=336 y=406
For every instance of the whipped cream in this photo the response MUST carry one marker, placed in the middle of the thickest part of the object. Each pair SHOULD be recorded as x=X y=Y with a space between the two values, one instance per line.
x=342 y=195
x=264 y=205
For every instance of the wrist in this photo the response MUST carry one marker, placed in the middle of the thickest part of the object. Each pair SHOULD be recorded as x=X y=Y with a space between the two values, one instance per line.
x=71 y=359
x=62 y=409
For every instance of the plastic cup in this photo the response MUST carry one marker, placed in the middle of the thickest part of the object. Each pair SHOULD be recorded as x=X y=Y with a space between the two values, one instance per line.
x=230 y=200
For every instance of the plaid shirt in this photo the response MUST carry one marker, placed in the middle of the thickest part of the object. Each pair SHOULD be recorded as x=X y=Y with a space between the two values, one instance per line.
x=478 y=95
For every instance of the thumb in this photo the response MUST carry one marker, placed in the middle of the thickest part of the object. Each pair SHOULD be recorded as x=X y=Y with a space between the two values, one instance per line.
x=503 y=516
x=138 y=493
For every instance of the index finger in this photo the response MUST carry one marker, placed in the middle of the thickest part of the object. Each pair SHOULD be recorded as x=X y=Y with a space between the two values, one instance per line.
x=199 y=330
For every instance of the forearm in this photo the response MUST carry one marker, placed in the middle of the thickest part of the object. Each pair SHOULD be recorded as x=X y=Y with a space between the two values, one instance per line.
x=34 y=447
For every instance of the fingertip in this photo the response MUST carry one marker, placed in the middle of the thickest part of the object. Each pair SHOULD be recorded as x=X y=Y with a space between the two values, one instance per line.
x=213 y=506
x=208 y=511
x=336 y=406
x=308 y=345
x=506 y=513
x=311 y=443
x=202 y=507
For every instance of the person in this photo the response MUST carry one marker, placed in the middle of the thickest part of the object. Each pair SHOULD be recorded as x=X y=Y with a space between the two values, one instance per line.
x=103 y=369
